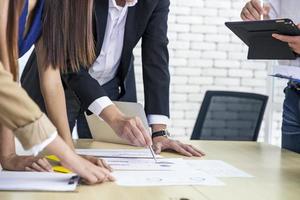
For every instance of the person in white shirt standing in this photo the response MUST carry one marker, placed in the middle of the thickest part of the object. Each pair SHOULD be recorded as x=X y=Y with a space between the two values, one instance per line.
x=291 y=107
x=119 y=25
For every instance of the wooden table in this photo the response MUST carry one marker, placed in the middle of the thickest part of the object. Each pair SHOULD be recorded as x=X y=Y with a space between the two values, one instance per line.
x=276 y=171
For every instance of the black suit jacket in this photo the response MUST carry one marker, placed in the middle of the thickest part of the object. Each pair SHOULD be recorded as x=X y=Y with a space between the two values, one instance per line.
x=147 y=20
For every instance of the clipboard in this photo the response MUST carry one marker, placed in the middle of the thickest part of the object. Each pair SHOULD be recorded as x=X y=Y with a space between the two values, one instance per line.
x=257 y=35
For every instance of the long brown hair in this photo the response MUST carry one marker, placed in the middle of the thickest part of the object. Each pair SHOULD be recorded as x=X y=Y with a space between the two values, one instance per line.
x=68 y=34
x=10 y=52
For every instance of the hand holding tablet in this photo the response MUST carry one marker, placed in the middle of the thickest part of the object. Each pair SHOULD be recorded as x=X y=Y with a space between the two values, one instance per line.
x=277 y=39
x=292 y=41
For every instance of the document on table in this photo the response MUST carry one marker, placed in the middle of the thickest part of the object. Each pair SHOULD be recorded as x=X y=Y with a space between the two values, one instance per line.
x=164 y=178
x=147 y=164
x=37 y=181
x=216 y=168
x=117 y=153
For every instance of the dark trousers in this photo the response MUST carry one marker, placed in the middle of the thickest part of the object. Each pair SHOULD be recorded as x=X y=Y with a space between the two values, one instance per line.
x=113 y=90
x=291 y=120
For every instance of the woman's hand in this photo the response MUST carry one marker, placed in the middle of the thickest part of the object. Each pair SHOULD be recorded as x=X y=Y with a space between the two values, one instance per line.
x=253 y=10
x=27 y=163
x=162 y=143
x=98 y=161
x=90 y=172
x=129 y=128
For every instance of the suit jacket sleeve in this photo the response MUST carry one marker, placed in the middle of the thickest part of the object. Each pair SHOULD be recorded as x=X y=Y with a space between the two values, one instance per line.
x=86 y=88
x=155 y=59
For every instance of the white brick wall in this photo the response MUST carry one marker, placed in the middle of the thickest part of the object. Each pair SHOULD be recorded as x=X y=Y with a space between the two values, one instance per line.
x=205 y=55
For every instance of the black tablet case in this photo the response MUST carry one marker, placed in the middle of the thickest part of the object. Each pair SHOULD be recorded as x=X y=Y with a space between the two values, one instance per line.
x=258 y=36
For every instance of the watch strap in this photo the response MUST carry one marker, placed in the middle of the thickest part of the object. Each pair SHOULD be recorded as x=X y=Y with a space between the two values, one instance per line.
x=160 y=133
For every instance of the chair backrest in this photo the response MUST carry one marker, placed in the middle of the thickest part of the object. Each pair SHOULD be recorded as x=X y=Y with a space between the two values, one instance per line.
x=235 y=116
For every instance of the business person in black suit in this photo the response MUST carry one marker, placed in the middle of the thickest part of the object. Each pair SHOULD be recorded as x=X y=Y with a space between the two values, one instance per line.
x=111 y=77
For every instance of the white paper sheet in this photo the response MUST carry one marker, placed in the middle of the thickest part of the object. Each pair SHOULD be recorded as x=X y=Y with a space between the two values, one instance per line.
x=216 y=168
x=37 y=181
x=146 y=164
x=164 y=178
x=117 y=153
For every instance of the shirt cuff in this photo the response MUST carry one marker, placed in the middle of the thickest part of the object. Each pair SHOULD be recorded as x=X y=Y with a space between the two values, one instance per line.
x=35 y=133
x=99 y=105
x=35 y=150
x=158 y=119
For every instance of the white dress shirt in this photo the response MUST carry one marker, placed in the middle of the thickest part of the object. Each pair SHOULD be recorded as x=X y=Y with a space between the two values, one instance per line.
x=106 y=65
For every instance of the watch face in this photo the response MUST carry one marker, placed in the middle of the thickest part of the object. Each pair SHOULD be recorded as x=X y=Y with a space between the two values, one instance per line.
x=167 y=133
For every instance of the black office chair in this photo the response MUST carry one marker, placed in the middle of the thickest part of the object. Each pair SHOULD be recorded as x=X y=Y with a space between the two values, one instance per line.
x=233 y=116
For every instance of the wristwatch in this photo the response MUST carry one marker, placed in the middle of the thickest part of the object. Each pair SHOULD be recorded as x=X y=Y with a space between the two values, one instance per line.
x=164 y=133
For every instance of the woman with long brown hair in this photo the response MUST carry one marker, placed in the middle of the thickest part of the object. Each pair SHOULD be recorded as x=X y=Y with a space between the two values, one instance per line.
x=18 y=114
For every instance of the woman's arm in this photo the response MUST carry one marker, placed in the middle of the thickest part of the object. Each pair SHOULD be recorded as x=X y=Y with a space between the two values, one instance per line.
x=54 y=97
x=55 y=102
x=11 y=161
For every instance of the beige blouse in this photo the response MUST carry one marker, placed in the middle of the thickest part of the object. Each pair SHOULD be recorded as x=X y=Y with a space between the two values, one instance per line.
x=19 y=113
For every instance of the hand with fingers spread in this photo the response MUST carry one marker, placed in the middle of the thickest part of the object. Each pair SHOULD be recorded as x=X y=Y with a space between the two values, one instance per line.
x=293 y=41
x=128 y=128
x=253 y=10
x=162 y=143
x=27 y=163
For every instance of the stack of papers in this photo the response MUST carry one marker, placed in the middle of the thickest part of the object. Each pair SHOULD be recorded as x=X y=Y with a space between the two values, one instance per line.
x=37 y=181
x=131 y=168
x=137 y=168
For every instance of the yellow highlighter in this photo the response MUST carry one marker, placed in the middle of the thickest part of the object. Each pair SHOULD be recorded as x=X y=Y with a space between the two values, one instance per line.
x=58 y=168
x=53 y=158
x=61 y=169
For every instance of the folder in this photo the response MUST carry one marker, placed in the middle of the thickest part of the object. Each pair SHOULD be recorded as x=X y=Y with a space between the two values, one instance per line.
x=37 y=181
x=257 y=35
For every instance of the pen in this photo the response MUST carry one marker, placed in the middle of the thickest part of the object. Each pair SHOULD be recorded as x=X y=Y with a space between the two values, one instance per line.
x=153 y=154
x=262 y=5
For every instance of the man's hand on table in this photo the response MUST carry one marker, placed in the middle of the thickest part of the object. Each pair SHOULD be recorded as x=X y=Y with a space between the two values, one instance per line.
x=162 y=143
